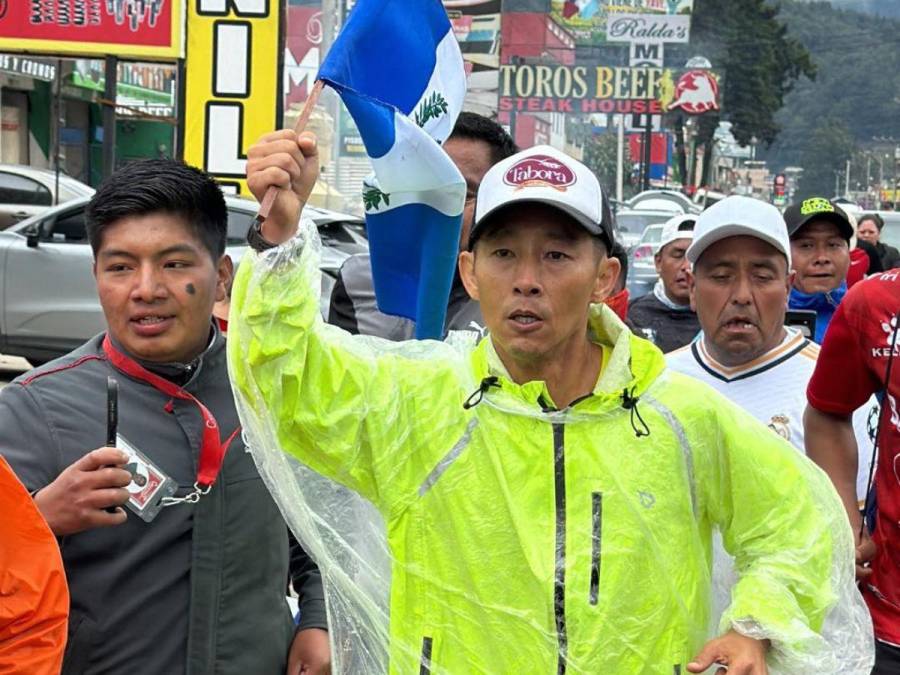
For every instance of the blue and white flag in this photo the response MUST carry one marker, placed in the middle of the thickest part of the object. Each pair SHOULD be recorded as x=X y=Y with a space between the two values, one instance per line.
x=398 y=68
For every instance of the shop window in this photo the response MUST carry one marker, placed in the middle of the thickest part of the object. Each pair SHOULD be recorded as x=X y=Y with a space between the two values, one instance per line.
x=15 y=189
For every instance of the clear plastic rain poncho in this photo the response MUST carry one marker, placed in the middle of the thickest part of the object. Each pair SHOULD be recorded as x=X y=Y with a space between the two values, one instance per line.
x=463 y=525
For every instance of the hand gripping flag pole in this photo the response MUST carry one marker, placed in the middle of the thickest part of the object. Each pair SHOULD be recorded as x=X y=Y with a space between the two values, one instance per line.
x=272 y=192
x=399 y=71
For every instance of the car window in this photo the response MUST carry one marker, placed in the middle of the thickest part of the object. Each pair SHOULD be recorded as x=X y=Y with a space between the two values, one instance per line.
x=238 y=225
x=335 y=233
x=68 y=228
x=652 y=235
x=637 y=222
x=16 y=189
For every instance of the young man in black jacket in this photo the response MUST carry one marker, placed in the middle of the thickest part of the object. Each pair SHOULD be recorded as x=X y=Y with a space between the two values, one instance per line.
x=176 y=555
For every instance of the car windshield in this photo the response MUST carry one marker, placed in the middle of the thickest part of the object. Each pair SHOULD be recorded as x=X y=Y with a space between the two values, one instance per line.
x=636 y=222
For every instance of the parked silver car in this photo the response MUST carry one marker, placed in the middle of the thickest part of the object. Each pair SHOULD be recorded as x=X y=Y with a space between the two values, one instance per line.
x=662 y=200
x=49 y=300
x=631 y=223
x=26 y=191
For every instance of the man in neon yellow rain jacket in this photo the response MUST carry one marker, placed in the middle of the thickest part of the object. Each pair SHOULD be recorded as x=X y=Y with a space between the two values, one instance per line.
x=549 y=495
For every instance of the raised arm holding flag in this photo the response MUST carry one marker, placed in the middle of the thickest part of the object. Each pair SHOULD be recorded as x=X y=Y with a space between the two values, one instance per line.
x=398 y=68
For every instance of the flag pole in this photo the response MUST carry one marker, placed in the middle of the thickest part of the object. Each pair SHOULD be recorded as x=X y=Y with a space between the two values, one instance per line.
x=272 y=191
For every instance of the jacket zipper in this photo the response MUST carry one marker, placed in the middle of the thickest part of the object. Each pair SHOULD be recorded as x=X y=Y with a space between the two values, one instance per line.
x=425 y=660
x=597 y=521
x=559 y=586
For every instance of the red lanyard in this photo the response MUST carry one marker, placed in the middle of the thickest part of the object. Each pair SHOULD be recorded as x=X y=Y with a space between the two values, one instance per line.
x=212 y=450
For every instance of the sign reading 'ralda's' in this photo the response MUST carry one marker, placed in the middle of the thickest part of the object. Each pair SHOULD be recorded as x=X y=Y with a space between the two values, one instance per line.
x=540 y=170
x=603 y=89
x=648 y=28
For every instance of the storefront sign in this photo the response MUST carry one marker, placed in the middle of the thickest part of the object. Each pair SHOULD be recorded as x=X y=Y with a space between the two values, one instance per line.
x=603 y=89
x=38 y=69
x=648 y=28
x=588 y=21
x=696 y=92
x=351 y=141
x=149 y=29
x=232 y=87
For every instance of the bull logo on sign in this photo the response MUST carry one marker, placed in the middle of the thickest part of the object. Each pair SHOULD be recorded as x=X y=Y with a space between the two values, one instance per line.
x=4 y=5
x=697 y=92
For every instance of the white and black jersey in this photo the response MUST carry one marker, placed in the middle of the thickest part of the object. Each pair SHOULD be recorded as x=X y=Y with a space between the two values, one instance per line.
x=772 y=388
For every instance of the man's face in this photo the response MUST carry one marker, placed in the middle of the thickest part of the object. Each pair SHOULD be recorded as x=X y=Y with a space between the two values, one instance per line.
x=740 y=289
x=535 y=277
x=473 y=159
x=821 y=257
x=157 y=285
x=868 y=231
x=673 y=268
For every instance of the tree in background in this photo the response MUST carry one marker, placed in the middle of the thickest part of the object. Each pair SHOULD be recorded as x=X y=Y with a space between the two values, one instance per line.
x=600 y=157
x=858 y=61
x=828 y=148
x=760 y=61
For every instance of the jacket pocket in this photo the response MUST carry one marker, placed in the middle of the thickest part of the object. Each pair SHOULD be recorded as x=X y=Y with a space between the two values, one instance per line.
x=596 y=544
x=79 y=644
x=425 y=659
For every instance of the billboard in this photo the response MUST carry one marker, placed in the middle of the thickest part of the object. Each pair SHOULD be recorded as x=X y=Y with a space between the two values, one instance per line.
x=232 y=85
x=476 y=25
x=586 y=20
x=146 y=29
x=603 y=89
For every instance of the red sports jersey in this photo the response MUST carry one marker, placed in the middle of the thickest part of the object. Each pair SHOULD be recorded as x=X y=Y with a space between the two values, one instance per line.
x=852 y=366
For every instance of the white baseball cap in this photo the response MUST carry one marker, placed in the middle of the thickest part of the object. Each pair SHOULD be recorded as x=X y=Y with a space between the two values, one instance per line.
x=735 y=216
x=678 y=227
x=545 y=175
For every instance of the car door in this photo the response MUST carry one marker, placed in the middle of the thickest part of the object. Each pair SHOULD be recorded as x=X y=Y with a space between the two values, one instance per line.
x=21 y=197
x=50 y=299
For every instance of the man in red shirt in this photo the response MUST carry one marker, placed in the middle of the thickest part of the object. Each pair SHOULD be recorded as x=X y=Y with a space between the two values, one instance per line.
x=857 y=360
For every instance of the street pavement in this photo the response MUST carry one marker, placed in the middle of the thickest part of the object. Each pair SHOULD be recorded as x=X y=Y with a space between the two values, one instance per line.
x=10 y=368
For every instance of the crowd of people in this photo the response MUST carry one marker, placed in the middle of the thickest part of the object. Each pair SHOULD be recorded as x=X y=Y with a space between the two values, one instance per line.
x=703 y=477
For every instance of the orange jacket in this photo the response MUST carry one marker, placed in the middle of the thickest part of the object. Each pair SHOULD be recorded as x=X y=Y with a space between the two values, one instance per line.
x=34 y=598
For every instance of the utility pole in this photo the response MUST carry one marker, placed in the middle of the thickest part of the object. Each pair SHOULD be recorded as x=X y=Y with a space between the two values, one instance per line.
x=109 y=116
x=647 y=154
x=620 y=158
x=847 y=181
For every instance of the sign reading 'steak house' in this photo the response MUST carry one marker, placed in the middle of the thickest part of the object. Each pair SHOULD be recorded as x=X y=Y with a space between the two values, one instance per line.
x=600 y=89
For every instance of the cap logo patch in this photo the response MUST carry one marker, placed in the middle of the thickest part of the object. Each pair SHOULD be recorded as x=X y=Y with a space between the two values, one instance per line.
x=540 y=171
x=815 y=205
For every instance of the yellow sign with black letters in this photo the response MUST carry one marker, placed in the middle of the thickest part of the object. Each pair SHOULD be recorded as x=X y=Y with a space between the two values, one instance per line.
x=232 y=84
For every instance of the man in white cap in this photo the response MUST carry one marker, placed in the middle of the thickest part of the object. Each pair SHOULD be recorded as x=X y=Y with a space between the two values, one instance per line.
x=547 y=496
x=741 y=281
x=664 y=316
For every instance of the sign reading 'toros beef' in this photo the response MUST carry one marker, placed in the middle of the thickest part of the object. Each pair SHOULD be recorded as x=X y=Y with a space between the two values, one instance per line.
x=604 y=89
